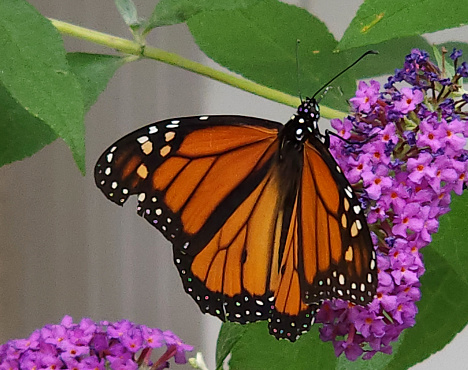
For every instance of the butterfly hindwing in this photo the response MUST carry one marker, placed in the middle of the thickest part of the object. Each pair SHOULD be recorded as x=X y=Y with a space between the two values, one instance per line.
x=291 y=316
x=229 y=277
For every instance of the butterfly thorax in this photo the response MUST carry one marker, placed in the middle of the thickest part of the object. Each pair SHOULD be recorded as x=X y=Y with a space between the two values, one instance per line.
x=300 y=129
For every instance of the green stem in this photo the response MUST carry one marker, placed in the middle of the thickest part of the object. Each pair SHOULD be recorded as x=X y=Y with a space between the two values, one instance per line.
x=133 y=48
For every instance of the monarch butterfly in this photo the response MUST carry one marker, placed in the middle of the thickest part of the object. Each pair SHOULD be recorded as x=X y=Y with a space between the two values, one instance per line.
x=263 y=223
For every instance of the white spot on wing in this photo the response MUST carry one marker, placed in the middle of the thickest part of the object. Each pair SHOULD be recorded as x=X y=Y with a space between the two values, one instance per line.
x=358 y=224
x=348 y=193
x=174 y=123
x=143 y=139
x=152 y=129
x=203 y=118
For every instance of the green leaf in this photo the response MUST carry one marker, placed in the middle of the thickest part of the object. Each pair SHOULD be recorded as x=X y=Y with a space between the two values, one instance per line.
x=450 y=241
x=169 y=12
x=443 y=62
x=259 y=43
x=229 y=335
x=380 y=20
x=391 y=55
x=35 y=72
x=21 y=134
x=93 y=72
x=128 y=12
x=252 y=347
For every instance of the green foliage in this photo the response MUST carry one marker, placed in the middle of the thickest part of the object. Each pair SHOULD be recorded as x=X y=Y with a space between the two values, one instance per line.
x=35 y=73
x=252 y=347
x=381 y=20
x=128 y=12
x=169 y=12
x=44 y=92
x=22 y=134
x=259 y=42
x=93 y=72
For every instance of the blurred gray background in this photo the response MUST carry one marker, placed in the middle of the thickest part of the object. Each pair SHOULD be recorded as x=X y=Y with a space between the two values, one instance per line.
x=67 y=250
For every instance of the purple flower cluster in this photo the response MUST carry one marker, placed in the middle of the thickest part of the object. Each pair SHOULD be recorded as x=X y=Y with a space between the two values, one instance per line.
x=91 y=345
x=410 y=158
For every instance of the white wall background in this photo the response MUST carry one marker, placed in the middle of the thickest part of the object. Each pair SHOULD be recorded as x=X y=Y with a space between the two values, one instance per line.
x=65 y=249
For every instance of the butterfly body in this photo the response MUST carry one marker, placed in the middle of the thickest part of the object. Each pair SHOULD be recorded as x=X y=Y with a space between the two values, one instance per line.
x=263 y=223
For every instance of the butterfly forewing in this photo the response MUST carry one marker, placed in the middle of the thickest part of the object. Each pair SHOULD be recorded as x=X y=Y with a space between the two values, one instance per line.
x=208 y=186
x=337 y=254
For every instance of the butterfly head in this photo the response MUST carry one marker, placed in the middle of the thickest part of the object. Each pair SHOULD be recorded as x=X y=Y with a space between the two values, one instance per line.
x=303 y=124
x=309 y=110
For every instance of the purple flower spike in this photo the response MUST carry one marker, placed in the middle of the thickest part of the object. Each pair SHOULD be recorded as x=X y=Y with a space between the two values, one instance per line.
x=91 y=345
x=411 y=159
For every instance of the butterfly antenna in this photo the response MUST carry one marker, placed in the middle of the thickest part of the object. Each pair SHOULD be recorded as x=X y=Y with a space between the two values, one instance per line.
x=297 y=69
x=344 y=70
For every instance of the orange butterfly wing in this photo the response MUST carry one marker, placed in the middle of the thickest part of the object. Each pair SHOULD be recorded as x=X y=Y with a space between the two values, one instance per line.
x=328 y=251
x=337 y=254
x=210 y=187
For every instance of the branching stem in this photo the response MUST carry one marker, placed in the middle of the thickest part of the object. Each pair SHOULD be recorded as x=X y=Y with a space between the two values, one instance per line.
x=133 y=48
